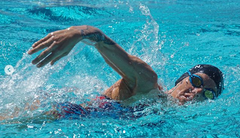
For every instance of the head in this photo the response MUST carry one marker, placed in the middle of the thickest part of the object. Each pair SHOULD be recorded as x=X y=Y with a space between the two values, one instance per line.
x=199 y=83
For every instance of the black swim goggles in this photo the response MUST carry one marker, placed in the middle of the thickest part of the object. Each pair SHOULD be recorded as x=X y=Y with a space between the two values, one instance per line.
x=197 y=82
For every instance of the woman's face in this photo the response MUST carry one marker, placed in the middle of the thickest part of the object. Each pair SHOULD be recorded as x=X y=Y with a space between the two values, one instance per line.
x=184 y=91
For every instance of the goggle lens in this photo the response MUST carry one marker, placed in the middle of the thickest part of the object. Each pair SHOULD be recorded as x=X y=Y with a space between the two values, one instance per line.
x=196 y=81
x=209 y=94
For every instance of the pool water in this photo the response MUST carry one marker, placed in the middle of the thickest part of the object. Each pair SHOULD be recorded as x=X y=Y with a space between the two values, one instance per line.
x=170 y=35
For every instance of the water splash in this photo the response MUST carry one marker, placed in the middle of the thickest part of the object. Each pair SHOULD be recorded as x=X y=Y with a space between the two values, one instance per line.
x=148 y=45
x=28 y=84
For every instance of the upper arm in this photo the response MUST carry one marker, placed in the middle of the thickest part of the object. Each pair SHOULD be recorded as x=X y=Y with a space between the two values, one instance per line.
x=145 y=76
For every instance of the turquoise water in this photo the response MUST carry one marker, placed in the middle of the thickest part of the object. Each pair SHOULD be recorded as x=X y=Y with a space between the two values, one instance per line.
x=170 y=35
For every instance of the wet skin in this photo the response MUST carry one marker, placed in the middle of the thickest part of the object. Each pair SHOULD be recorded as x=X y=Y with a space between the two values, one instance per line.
x=184 y=91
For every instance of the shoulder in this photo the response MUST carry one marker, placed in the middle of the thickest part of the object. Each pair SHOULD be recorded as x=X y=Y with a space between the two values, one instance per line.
x=145 y=75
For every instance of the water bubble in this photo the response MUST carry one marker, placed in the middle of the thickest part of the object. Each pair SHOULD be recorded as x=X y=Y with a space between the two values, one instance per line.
x=144 y=9
x=30 y=126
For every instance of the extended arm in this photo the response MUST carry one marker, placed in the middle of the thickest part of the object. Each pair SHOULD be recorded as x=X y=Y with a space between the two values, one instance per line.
x=135 y=72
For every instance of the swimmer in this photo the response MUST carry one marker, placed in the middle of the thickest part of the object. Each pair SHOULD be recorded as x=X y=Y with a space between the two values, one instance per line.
x=138 y=80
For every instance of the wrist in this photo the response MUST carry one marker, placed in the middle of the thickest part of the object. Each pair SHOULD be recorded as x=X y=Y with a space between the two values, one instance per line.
x=88 y=32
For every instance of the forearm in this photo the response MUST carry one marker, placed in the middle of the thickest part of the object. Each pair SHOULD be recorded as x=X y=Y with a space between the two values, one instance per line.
x=113 y=54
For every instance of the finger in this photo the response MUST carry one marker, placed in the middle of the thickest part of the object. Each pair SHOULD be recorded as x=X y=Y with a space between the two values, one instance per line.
x=188 y=94
x=42 y=40
x=181 y=98
x=59 y=57
x=180 y=93
x=46 y=60
x=44 y=54
x=188 y=98
x=184 y=99
x=41 y=46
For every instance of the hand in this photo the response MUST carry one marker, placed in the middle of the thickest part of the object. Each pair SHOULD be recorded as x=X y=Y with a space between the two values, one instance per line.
x=58 y=45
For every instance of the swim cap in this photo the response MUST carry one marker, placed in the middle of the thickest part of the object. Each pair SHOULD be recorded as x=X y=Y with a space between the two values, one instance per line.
x=213 y=72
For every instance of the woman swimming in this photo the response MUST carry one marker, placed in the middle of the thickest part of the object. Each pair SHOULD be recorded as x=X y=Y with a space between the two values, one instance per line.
x=139 y=81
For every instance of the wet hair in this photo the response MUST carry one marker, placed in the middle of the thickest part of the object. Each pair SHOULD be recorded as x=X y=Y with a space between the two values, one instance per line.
x=213 y=72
